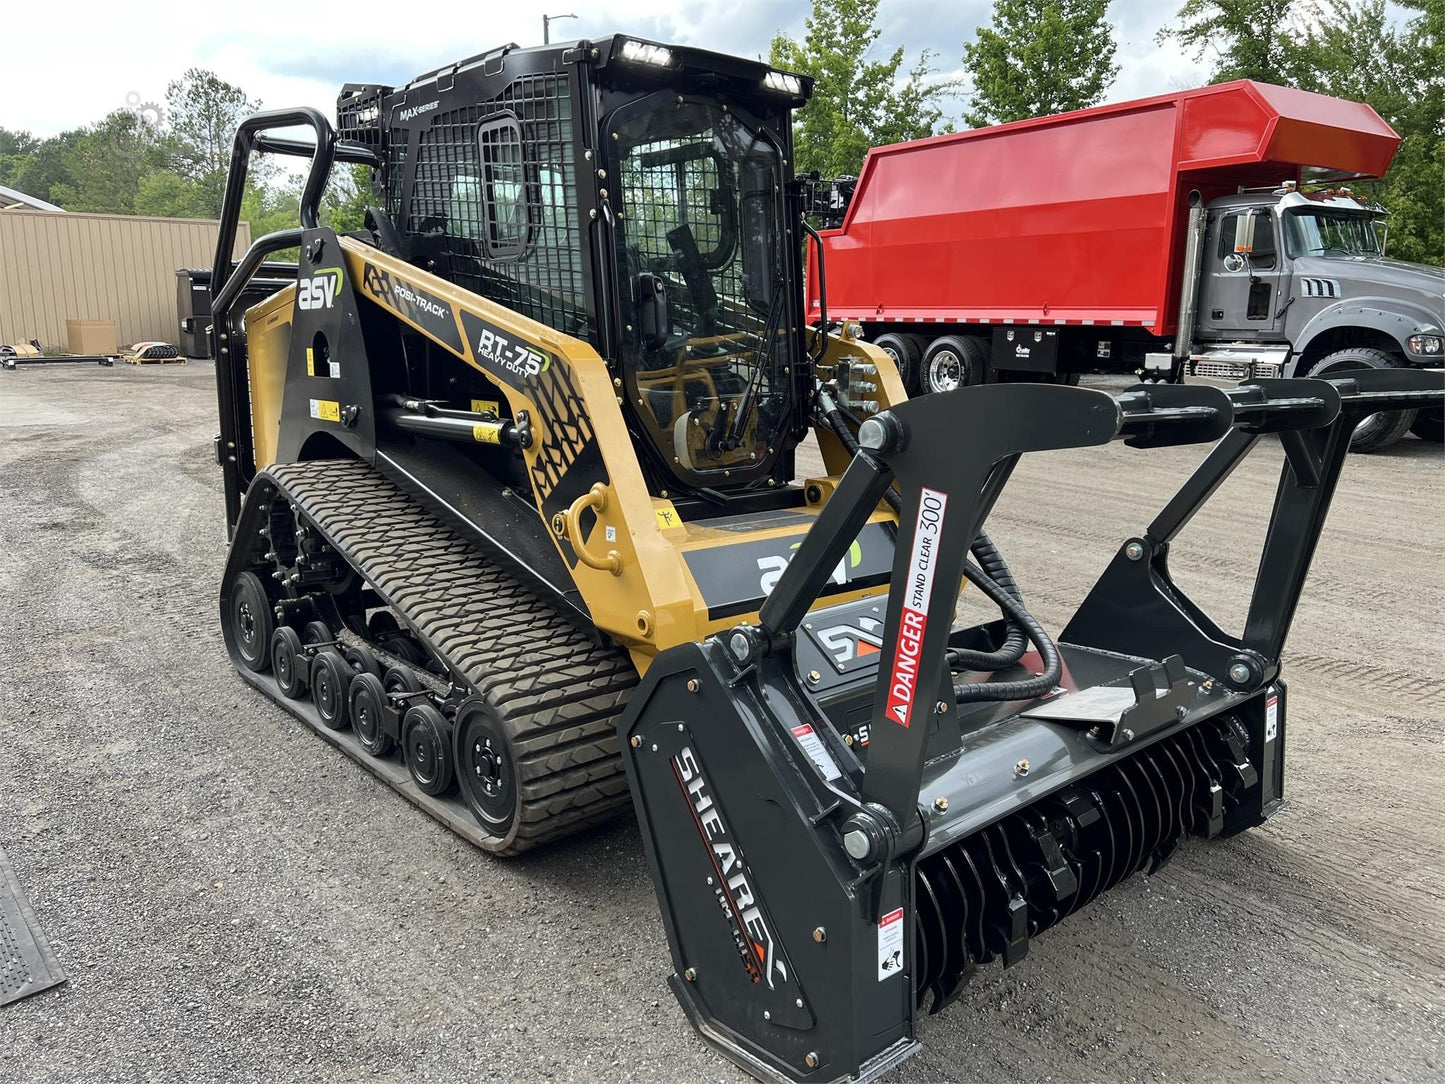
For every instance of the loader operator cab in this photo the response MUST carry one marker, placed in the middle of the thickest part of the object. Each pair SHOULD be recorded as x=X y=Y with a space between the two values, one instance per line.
x=700 y=257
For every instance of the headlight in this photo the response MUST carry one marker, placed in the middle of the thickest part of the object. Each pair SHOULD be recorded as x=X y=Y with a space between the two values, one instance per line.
x=1426 y=344
x=646 y=53
x=788 y=84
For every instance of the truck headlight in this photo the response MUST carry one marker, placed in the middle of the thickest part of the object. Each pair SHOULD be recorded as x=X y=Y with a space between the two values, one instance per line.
x=1426 y=344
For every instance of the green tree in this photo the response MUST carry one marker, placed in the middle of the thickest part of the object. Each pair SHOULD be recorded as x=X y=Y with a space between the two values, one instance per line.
x=343 y=207
x=164 y=194
x=1358 y=53
x=1039 y=57
x=44 y=169
x=15 y=149
x=204 y=111
x=1245 y=39
x=857 y=103
x=107 y=163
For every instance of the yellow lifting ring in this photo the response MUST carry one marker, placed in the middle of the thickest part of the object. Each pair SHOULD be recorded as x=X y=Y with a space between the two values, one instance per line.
x=564 y=525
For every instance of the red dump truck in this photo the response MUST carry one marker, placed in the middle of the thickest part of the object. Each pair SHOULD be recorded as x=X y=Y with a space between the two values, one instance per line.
x=1161 y=236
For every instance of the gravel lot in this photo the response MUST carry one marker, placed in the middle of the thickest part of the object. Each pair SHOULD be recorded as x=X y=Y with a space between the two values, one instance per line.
x=233 y=901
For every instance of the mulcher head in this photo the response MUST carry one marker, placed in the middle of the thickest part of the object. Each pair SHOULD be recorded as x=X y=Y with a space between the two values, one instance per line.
x=845 y=816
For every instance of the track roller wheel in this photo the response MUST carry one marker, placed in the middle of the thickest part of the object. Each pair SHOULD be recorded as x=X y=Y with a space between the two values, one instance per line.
x=317 y=632
x=367 y=701
x=251 y=621
x=404 y=647
x=330 y=681
x=360 y=659
x=486 y=770
x=287 y=663
x=398 y=679
x=427 y=739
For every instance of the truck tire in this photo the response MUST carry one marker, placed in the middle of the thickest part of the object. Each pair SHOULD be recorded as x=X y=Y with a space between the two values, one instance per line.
x=954 y=361
x=1430 y=425
x=1377 y=431
x=906 y=354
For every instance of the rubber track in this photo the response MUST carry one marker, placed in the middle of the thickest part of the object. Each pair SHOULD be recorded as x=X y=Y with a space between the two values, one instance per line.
x=557 y=692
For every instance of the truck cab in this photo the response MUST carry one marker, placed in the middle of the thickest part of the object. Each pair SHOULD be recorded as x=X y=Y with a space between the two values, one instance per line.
x=1298 y=282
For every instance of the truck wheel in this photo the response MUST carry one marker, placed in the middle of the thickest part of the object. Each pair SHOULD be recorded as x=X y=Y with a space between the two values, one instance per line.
x=1430 y=425
x=1377 y=431
x=954 y=361
x=906 y=354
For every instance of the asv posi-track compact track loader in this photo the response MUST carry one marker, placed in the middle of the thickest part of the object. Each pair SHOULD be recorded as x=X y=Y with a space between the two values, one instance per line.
x=531 y=436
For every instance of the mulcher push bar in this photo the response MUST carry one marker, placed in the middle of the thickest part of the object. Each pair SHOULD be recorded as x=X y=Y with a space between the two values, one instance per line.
x=942 y=451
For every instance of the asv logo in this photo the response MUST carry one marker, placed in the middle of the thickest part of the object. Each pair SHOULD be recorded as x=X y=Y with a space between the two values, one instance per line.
x=772 y=567
x=319 y=291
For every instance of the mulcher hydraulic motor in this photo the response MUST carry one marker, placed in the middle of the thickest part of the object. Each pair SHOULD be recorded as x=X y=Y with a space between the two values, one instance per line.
x=530 y=435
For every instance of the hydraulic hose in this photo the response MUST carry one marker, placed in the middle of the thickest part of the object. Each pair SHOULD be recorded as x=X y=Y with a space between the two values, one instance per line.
x=1012 y=690
x=1015 y=641
x=996 y=581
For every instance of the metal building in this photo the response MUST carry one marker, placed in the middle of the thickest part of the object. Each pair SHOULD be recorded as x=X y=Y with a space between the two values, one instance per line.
x=58 y=266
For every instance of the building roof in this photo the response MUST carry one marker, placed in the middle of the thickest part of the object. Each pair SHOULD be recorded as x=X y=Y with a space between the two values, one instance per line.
x=12 y=199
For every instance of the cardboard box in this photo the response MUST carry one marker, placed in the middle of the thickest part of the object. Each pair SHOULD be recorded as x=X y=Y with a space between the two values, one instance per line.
x=91 y=336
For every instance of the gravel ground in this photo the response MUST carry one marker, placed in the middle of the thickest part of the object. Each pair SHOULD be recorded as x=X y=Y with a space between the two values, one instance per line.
x=233 y=901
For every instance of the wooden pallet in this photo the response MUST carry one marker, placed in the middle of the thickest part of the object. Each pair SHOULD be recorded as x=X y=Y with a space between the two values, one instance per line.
x=133 y=360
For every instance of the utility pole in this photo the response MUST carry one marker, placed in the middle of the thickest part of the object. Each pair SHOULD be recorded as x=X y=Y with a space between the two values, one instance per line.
x=547 y=26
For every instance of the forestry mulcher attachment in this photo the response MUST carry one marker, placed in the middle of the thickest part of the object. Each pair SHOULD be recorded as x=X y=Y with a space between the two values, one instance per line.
x=531 y=435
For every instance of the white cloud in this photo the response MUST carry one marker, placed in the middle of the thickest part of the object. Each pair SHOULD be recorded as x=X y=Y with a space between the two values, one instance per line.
x=299 y=54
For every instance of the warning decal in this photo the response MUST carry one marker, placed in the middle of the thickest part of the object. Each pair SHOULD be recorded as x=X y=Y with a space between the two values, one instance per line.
x=1271 y=718
x=890 y=945
x=913 y=620
x=817 y=752
x=326 y=410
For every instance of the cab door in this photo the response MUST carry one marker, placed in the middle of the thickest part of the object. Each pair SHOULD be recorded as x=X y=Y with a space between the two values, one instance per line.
x=1244 y=278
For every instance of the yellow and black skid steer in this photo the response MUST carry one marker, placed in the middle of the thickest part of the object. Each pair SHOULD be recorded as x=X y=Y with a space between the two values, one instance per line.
x=514 y=523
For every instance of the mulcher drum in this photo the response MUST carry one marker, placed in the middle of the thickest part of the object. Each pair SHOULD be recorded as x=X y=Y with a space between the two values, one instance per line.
x=549 y=683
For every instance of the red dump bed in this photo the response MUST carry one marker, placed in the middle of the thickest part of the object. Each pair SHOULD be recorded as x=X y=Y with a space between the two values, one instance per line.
x=1077 y=218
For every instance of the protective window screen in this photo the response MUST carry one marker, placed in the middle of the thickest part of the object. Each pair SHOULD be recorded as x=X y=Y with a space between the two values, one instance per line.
x=495 y=197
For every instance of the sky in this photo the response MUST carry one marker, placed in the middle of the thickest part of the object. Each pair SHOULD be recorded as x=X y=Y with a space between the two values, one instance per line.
x=64 y=69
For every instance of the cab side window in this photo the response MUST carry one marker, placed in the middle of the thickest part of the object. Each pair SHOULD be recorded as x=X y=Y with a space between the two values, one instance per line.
x=1264 y=255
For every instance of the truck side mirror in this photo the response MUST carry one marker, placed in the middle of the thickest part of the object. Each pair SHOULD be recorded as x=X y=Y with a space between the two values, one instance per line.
x=652 y=310
x=1244 y=234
